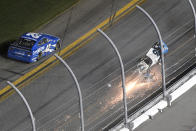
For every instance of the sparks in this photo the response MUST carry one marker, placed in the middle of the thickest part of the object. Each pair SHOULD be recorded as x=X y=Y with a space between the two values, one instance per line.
x=131 y=85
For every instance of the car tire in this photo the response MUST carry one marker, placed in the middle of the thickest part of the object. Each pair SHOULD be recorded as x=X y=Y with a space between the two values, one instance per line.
x=58 y=45
x=39 y=56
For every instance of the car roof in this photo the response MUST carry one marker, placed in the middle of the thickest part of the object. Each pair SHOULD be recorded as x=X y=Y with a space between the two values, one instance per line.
x=38 y=36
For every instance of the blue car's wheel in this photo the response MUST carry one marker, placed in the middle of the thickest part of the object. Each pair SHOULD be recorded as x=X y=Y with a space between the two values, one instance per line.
x=39 y=56
x=58 y=46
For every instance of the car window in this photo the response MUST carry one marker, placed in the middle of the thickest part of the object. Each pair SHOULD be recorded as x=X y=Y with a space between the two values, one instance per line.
x=24 y=43
x=43 y=41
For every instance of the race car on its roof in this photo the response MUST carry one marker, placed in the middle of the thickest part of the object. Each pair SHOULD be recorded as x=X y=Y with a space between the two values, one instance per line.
x=152 y=57
x=30 y=47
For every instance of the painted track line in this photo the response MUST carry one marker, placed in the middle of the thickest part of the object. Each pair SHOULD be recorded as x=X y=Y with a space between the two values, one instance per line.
x=70 y=49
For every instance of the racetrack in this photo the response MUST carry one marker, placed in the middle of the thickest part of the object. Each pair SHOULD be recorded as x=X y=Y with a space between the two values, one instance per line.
x=53 y=96
x=69 y=27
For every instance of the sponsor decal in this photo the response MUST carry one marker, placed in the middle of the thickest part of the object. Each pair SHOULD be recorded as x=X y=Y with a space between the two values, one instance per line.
x=38 y=50
x=19 y=53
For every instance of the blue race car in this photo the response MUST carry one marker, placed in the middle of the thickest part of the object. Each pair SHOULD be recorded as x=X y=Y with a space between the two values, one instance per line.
x=30 y=47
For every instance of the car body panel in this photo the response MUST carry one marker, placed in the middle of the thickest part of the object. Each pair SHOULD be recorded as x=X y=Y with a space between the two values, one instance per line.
x=152 y=57
x=36 y=44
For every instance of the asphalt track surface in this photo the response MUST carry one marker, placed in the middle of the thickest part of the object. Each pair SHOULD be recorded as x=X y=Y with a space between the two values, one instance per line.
x=78 y=20
x=53 y=96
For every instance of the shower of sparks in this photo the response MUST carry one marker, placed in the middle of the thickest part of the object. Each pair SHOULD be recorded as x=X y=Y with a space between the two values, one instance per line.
x=131 y=85
x=135 y=83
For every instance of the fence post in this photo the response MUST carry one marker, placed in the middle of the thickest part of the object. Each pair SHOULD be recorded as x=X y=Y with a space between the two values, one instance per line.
x=26 y=103
x=122 y=74
x=78 y=89
x=193 y=9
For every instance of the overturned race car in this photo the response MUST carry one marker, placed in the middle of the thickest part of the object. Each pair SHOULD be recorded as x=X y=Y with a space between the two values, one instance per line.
x=31 y=47
x=152 y=57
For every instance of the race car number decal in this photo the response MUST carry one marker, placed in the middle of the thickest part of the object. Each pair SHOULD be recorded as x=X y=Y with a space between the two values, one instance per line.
x=34 y=35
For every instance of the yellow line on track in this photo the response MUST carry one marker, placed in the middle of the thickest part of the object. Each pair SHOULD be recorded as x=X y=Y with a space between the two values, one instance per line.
x=71 y=48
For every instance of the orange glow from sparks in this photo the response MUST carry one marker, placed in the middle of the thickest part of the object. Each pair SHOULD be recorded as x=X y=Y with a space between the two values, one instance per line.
x=143 y=84
x=131 y=85
x=136 y=86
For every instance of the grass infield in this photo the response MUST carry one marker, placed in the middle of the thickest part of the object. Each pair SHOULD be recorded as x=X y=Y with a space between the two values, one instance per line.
x=20 y=16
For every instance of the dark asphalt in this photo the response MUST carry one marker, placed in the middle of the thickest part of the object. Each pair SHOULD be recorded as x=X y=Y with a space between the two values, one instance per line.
x=53 y=96
x=69 y=26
